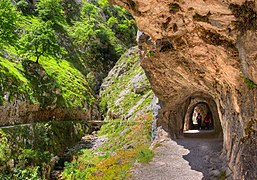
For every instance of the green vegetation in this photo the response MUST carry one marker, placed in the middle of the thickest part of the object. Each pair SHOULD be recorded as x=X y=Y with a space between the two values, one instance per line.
x=23 y=6
x=249 y=83
x=26 y=151
x=50 y=10
x=8 y=22
x=128 y=142
x=60 y=80
x=52 y=58
x=127 y=130
x=40 y=40
x=71 y=41
x=150 y=54
x=134 y=93
x=103 y=33
x=145 y=155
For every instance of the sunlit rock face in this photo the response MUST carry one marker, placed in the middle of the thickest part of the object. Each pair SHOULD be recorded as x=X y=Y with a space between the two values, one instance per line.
x=49 y=103
x=204 y=51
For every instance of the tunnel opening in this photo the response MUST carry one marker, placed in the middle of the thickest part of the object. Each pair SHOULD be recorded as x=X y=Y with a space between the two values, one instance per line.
x=183 y=128
x=200 y=118
x=203 y=105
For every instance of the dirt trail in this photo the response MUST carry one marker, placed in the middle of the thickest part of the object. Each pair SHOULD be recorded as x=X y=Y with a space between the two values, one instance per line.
x=183 y=159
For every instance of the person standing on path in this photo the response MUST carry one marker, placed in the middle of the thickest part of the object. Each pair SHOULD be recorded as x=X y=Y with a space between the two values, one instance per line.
x=207 y=120
x=199 y=120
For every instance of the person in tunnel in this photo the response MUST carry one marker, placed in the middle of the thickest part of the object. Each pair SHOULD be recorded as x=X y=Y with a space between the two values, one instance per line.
x=199 y=120
x=208 y=120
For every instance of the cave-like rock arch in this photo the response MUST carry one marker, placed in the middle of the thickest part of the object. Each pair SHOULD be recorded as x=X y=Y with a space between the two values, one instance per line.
x=175 y=117
x=202 y=98
x=198 y=47
x=190 y=121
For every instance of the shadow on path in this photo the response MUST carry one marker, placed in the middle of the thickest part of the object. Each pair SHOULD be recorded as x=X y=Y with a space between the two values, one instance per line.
x=182 y=159
x=203 y=154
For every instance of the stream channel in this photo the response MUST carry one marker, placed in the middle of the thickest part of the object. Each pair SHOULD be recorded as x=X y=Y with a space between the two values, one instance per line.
x=46 y=145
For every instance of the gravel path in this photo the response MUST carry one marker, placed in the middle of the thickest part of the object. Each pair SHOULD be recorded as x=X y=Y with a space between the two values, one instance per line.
x=183 y=159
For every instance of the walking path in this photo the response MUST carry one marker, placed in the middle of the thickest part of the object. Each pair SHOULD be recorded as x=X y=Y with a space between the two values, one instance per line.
x=183 y=159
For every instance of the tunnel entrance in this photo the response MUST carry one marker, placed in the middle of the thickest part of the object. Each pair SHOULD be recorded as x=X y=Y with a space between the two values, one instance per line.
x=200 y=118
x=203 y=105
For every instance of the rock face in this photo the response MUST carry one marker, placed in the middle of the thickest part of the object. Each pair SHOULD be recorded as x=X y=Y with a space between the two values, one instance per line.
x=19 y=112
x=126 y=91
x=42 y=98
x=204 y=51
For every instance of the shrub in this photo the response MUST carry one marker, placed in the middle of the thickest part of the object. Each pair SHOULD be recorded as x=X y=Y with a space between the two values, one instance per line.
x=50 y=10
x=8 y=22
x=145 y=155
x=40 y=40
x=5 y=149
x=128 y=142
x=24 y=6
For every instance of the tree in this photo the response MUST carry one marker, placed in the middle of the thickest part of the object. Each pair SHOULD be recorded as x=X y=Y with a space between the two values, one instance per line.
x=40 y=40
x=25 y=6
x=90 y=10
x=103 y=33
x=8 y=25
x=71 y=10
x=50 y=10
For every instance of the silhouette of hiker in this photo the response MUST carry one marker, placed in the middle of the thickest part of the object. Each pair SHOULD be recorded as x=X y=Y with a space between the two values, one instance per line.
x=199 y=120
x=207 y=120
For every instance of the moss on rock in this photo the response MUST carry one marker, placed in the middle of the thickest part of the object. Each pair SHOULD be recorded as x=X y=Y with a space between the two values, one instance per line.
x=126 y=88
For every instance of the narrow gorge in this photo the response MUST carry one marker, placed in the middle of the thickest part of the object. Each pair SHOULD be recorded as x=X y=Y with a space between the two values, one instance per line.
x=128 y=89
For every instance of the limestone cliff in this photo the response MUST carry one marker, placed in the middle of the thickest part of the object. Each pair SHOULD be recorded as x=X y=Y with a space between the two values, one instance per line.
x=88 y=38
x=31 y=92
x=204 y=51
x=126 y=91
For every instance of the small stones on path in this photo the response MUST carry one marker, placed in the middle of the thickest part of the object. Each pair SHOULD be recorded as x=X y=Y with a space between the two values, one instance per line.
x=185 y=159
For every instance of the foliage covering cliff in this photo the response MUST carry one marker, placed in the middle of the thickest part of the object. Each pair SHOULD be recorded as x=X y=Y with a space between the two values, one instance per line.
x=55 y=53
x=126 y=90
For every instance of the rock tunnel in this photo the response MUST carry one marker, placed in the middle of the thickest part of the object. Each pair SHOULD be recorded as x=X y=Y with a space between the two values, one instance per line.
x=200 y=110
x=204 y=51
x=180 y=120
x=203 y=104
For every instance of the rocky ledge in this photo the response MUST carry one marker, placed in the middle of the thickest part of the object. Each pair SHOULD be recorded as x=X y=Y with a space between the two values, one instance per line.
x=204 y=51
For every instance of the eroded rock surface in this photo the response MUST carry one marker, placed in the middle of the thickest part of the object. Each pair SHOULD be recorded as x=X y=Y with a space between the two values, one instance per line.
x=44 y=102
x=204 y=51
x=126 y=91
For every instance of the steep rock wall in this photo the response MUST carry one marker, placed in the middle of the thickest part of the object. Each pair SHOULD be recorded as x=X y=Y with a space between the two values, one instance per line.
x=126 y=91
x=30 y=92
x=204 y=49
